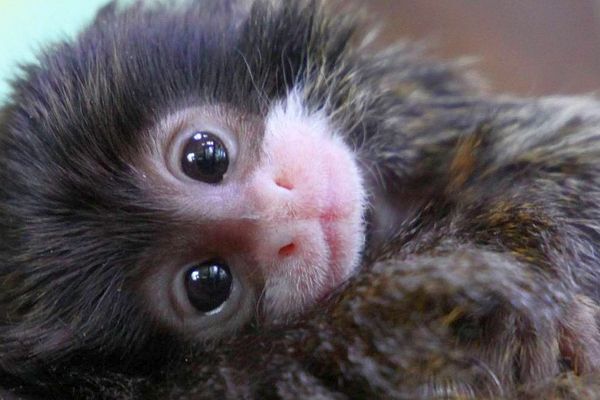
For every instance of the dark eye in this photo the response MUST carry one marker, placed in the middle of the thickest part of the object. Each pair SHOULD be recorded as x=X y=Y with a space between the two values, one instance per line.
x=208 y=285
x=205 y=158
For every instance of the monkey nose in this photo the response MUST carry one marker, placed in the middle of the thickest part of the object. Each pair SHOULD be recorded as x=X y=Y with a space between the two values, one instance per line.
x=284 y=182
x=283 y=241
x=287 y=250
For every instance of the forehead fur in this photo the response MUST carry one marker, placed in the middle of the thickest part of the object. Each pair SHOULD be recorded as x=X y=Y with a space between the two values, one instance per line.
x=136 y=62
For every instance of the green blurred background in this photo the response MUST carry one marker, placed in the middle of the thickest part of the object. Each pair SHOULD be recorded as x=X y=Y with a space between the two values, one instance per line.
x=25 y=25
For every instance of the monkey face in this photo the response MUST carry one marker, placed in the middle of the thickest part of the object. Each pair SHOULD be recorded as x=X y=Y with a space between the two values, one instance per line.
x=267 y=215
x=179 y=170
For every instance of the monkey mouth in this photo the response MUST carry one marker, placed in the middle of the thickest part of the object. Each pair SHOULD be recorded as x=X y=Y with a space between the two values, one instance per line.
x=344 y=243
x=328 y=225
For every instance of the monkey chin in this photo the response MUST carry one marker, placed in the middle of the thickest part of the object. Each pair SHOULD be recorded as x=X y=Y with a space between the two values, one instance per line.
x=328 y=228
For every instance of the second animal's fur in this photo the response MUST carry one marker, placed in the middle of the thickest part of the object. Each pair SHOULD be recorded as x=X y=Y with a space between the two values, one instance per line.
x=480 y=274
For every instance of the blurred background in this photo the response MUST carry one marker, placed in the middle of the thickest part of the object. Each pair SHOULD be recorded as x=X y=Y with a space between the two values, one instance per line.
x=527 y=47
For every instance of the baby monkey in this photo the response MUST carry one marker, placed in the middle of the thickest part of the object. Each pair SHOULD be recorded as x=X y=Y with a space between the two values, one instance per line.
x=200 y=174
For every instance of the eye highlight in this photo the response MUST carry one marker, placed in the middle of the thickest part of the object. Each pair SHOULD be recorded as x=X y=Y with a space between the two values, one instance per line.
x=208 y=285
x=205 y=157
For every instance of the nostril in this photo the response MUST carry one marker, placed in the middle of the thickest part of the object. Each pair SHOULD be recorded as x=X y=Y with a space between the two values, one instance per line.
x=284 y=183
x=287 y=250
